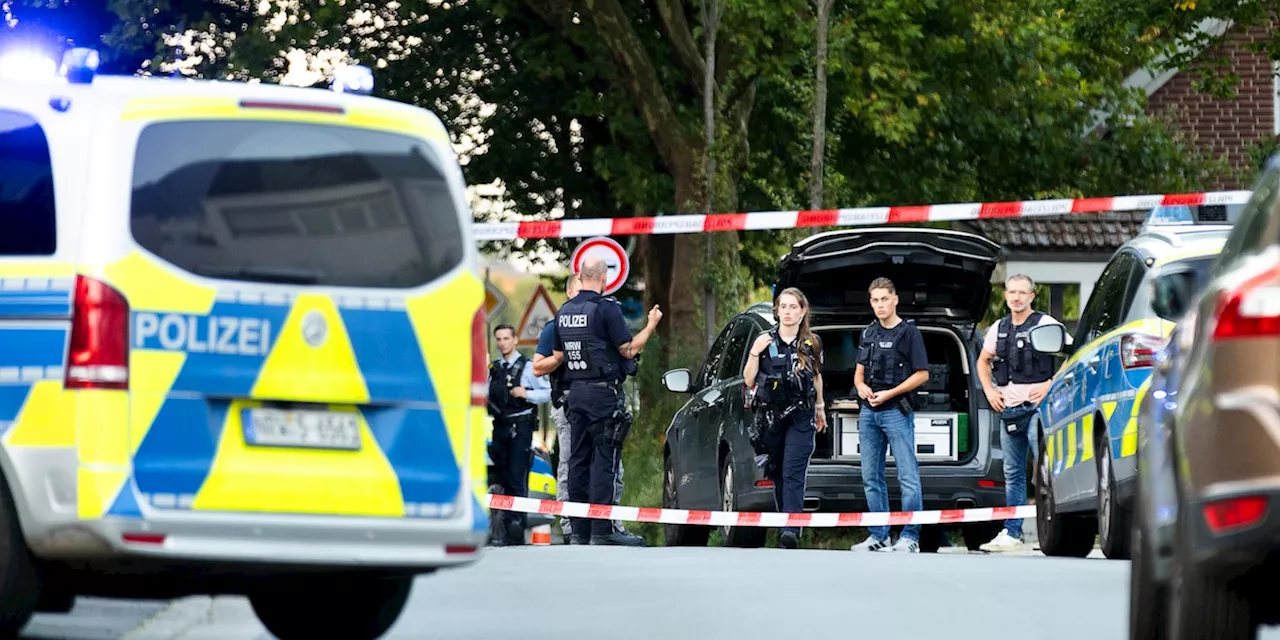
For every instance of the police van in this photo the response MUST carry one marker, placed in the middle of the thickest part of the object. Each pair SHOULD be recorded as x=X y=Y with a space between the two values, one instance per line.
x=242 y=347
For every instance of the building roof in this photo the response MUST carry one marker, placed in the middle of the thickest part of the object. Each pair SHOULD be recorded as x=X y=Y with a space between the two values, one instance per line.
x=1091 y=233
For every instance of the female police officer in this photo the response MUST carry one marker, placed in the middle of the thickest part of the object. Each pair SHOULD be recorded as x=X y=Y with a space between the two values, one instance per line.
x=784 y=372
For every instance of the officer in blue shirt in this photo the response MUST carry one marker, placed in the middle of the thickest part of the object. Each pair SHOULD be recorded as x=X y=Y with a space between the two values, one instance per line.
x=514 y=391
x=891 y=364
x=596 y=350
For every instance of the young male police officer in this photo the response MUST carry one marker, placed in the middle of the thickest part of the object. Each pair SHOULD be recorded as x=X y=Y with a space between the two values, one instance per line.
x=513 y=392
x=891 y=364
x=1015 y=378
x=564 y=438
x=592 y=340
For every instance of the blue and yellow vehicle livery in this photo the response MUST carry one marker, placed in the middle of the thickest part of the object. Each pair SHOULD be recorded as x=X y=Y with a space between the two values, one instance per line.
x=1088 y=438
x=242 y=348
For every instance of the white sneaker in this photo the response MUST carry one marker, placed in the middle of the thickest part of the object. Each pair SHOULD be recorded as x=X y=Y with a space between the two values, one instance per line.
x=906 y=545
x=871 y=544
x=1003 y=542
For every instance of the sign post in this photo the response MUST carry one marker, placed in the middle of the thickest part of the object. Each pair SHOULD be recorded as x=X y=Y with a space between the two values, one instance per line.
x=614 y=256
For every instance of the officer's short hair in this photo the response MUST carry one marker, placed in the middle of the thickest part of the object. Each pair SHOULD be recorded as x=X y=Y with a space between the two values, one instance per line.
x=594 y=269
x=882 y=283
x=1021 y=276
x=504 y=326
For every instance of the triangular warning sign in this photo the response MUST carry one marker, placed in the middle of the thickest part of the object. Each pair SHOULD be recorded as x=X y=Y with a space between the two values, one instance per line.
x=537 y=313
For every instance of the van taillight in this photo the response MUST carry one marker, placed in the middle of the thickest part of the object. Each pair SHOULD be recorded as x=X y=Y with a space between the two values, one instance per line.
x=1251 y=310
x=479 y=361
x=98 y=355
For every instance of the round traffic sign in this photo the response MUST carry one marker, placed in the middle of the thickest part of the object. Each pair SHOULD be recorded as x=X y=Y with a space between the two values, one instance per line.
x=614 y=256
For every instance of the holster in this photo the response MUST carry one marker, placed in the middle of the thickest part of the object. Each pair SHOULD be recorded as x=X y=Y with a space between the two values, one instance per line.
x=617 y=428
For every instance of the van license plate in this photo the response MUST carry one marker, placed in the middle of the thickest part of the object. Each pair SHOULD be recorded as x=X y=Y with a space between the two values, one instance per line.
x=302 y=429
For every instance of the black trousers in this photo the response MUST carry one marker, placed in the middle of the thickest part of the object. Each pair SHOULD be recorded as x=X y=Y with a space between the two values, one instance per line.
x=791 y=443
x=593 y=464
x=512 y=453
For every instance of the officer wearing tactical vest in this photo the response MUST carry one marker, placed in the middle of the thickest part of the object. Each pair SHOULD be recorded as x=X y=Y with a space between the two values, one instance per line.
x=513 y=393
x=1015 y=378
x=597 y=352
x=891 y=364
x=784 y=372
x=559 y=414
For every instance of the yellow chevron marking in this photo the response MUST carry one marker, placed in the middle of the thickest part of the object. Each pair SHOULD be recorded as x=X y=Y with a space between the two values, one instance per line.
x=295 y=370
x=149 y=286
x=1071 y=445
x=1108 y=408
x=283 y=480
x=445 y=339
x=1129 y=440
x=47 y=419
x=102 y=435
x=1086 y=437
x=153 y=374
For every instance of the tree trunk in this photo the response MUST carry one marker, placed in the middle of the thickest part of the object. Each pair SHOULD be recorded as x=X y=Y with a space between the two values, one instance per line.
x=710 y=23
x=819 y=106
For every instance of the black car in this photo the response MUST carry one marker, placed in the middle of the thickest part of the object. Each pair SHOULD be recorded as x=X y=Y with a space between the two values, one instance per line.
x=943 y=284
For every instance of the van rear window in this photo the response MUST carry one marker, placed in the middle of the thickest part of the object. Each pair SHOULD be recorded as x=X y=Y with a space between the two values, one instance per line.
x=294 y=203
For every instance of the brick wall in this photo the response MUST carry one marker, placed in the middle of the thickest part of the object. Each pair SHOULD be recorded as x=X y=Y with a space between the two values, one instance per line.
x=1229 y=127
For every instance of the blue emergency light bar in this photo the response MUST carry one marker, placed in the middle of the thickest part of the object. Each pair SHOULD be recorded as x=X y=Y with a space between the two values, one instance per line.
x=1193 y=215
x=79 y=65
x=353 y=79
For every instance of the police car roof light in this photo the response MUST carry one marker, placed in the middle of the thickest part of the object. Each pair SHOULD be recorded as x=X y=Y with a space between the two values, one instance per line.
x=79 y=65
x=353 y=79
x=23 y=64
x=1192 y=215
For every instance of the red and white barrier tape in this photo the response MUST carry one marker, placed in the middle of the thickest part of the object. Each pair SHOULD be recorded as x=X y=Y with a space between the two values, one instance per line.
x=863 y=216
x=764 y=519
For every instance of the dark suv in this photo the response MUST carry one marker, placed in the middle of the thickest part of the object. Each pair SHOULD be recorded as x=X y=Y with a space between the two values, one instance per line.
x=943 y=284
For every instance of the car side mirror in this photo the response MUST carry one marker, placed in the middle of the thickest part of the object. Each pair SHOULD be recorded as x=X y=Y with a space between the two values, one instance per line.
x=1049 y=338
x=676 y=380
x=1171 y=293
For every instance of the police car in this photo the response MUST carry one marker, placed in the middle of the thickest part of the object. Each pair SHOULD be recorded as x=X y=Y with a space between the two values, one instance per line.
x=1088 y=434
x=242 y=347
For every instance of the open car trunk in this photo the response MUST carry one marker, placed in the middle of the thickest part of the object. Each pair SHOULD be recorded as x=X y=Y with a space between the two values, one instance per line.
x=944 y=432
x=938 y=274
x=943 y=282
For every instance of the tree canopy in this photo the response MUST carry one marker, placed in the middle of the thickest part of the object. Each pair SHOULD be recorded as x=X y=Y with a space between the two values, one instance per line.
x=593 y=108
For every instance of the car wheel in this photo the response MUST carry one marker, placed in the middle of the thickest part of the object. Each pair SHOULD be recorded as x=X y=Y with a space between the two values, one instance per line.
x=750 y=537
x=1114 y=521
x=1203 y=606
x=1147 y=599
x=20 y=579
x=350 y=607
x=1067 y=535
x=678 y=535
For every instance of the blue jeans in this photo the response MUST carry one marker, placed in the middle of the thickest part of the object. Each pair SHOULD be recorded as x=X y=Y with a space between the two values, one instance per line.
x=1015 y=448
x=892 y=430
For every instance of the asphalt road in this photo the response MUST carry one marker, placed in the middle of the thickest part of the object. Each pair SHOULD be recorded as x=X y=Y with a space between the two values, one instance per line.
x=697 y=593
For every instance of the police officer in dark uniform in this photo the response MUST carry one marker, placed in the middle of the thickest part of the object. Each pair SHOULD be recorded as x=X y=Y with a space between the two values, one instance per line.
x=891 y=364
x=784 y=373
x=1015 y=378
x=593 y=345
x=513 y=393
